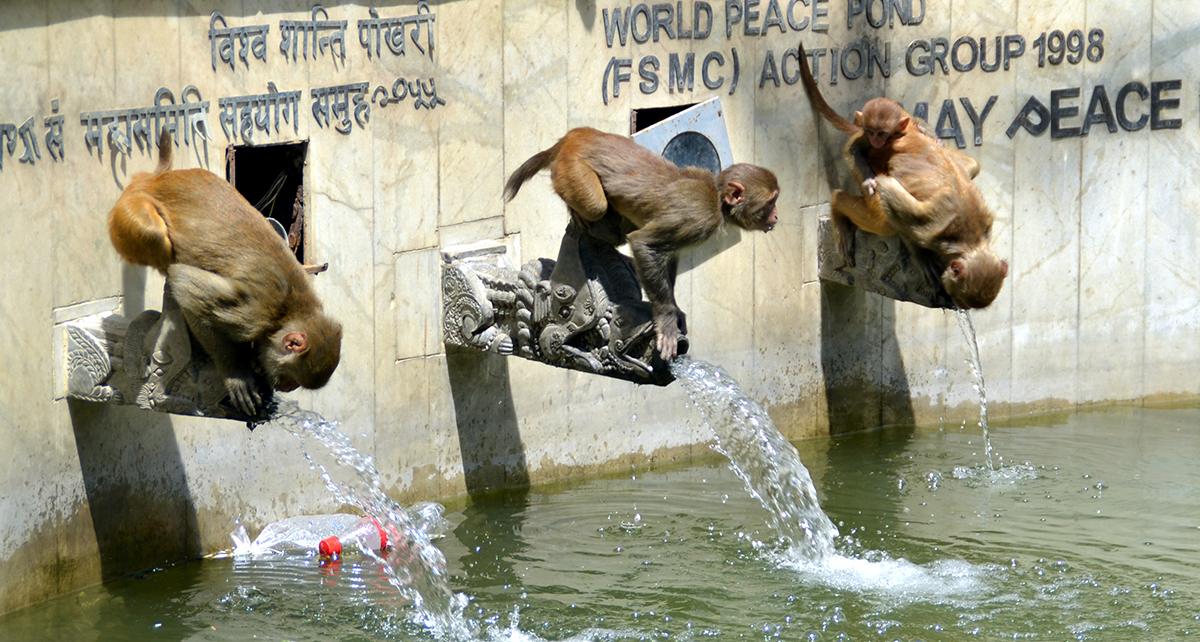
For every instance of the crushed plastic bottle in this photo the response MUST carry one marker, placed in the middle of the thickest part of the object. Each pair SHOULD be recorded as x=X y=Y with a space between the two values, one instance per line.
x=303 y=534
x=365 y=534
x=294 y=534
x=430 y=518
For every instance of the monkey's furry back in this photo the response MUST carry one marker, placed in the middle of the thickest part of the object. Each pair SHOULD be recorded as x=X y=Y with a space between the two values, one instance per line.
x=207 y=224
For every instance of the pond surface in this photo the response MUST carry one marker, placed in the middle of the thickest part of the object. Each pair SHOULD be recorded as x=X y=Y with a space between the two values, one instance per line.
x=1089 y=530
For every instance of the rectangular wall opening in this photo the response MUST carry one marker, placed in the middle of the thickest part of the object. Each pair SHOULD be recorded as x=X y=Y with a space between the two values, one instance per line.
x=640 y=119
x=271 y=177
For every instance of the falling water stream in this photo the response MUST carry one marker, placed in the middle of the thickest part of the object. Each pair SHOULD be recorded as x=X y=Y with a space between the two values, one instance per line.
x=412 y=563
x=968 y=332
x=761 y=457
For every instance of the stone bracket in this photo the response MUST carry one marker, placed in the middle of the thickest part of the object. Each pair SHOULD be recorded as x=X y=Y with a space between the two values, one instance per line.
x=883 y=265
x=150 y=361
x=583 y=311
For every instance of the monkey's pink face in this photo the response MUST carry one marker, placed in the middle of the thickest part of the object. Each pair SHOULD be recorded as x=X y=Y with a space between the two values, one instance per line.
x=878 y=137
x=772 y=217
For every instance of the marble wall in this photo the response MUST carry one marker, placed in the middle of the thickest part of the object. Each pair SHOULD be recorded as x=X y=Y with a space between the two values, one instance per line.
x=1101 y=305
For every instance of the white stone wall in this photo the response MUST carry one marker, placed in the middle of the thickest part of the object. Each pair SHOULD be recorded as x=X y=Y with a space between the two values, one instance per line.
x=1100 y=233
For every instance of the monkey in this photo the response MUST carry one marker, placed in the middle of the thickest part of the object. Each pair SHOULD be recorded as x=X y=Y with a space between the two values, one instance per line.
x=664 y=208
x=927 y=199
x=244 y=296
x=875 y=129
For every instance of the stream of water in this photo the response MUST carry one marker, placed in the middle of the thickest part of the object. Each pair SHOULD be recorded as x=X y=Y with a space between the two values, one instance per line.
x=760 y=456
x=412 y=564
x=968 y=332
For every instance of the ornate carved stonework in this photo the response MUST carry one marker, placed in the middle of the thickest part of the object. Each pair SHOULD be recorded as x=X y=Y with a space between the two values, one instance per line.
x=151 y=362
x=583 y=311
x=883 y=265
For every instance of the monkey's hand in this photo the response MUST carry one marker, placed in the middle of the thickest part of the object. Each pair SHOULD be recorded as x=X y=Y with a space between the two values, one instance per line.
x=243 y=394
x=869 y=186
x=667 y=328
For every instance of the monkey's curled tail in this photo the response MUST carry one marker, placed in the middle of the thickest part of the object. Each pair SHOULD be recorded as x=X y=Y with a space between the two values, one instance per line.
x=136 y=225
x=164 y=152
x=814 y=94
x=528 y=169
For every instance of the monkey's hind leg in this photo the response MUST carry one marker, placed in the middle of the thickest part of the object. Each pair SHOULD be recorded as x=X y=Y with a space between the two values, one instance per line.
x=577 y=183
x=138 y=231
x=866 y=213
x=968 y=165
x=208 y=302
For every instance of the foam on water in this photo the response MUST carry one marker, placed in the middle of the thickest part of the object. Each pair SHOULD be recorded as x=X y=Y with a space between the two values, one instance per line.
x=994 y=476
x=494 y=632
x=876 y=574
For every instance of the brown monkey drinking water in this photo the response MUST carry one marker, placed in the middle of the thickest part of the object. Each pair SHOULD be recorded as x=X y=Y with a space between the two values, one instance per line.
x=914 y=188
x=668 y=208
x=245 y=297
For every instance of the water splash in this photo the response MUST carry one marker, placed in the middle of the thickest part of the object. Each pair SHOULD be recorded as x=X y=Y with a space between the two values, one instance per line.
x=413 y=565
x=895 y=581
x=968 y=332
x=765 y=461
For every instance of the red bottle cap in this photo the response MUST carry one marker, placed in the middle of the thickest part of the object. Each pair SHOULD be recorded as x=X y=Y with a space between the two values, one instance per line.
x=382 y=535
x=330 y=546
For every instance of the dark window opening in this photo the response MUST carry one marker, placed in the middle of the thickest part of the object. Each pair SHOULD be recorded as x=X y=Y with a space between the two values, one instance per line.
x=271 y=177
x=642 y=118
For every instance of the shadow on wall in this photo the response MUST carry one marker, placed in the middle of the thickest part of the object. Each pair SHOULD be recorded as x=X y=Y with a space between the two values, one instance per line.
x=865 y=383
x=138 y=496
x=489 y=438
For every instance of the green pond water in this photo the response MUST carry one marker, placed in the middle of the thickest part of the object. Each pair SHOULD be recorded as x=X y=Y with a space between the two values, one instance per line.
x=1089 y=529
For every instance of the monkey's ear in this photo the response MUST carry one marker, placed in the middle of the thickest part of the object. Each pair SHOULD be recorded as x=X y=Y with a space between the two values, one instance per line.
x=957 y=266
x=295 y=342
x=858 y=119
x=734 y=193
x=903 y=125
x=1004 y=264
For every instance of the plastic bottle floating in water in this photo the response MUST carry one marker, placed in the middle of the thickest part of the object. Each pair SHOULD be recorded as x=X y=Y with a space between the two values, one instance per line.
x=366 y=533
x=300 y=534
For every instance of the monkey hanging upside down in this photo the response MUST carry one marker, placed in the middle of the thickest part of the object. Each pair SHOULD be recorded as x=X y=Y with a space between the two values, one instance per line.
x=668 y=208
x=245 y=297
x=917 y=189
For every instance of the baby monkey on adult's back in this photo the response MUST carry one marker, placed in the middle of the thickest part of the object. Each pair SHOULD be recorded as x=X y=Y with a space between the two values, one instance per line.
x=917 y=189
x=669 y=208
x=245 y=297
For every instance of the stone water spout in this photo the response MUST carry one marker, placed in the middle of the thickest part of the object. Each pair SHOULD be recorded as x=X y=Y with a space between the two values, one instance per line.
x=883 y=265
x=150 y=361
x=583 y=311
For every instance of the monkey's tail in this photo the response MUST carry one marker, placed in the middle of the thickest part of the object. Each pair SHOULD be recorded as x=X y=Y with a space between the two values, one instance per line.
x=164 y=152
x=814 y=94
x=528 y=169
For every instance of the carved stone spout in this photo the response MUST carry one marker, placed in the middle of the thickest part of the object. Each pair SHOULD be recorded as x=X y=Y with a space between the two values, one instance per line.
x=583 y=311
x=883 y=265
x=151 y=362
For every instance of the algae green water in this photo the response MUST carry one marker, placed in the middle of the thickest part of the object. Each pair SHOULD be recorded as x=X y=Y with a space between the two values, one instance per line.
x=1093 y=535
